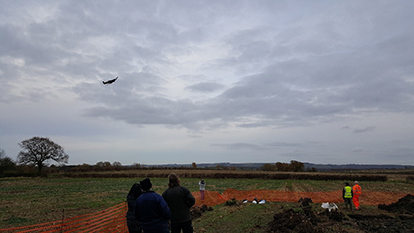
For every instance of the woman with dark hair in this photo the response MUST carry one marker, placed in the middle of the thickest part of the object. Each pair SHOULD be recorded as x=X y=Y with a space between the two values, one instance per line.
x=180 y=200
x=133 y=225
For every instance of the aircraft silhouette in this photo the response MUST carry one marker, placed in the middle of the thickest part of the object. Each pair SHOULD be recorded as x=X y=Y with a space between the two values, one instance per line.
x=110 y=81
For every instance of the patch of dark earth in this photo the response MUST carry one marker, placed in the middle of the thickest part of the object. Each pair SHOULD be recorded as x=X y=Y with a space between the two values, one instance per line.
x=307 y=221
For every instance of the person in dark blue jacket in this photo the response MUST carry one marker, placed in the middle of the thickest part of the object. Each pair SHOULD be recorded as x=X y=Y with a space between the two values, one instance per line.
x=151 y=210
x=133 y=225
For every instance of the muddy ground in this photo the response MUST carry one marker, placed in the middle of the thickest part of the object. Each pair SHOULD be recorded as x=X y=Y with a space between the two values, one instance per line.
x=394 y=217
x=400 y=218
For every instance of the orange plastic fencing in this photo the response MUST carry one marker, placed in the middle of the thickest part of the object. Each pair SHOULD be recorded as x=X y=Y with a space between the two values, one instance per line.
x=113 y=219
x=109 y=220
x=367 y=197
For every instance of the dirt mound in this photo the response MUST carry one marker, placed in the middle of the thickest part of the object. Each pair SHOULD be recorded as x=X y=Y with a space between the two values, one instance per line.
x=384 y=223
x=197 y=211
x=404 y=205
x=305 y=201
x=232 y=202
x=304 y=220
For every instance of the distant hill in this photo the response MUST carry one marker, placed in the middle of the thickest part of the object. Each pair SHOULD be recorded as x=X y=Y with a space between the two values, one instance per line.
x=329 y=167
x=319 y=167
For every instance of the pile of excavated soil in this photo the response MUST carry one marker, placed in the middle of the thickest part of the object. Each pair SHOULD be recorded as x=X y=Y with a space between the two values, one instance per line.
x=292 y=221
x=197 y=211
x=404 y=205
x=384 y=223
x=306 y=220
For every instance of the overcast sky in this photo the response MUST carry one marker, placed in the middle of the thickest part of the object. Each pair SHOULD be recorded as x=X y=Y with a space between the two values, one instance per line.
x=210 y=81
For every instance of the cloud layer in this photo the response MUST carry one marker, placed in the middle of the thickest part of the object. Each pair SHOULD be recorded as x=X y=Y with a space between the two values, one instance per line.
x=322 y=82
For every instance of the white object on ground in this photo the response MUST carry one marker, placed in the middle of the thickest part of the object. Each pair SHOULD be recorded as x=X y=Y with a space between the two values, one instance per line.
x=329 y=206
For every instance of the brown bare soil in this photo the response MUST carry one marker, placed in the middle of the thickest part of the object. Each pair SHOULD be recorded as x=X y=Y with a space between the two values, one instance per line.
x=371 y=198
x=306 y=216
x=394 y=216
x=401 y=219
x=404 y=205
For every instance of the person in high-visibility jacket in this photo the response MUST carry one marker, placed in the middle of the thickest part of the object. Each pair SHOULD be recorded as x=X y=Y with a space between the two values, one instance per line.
x=347 y=195
x=356 y=189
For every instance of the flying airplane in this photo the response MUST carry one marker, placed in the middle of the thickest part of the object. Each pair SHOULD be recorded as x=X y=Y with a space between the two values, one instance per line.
x=110 y=81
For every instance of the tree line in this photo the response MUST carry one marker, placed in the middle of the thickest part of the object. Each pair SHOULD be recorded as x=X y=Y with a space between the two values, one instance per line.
x=293 y=166
x=38 y=152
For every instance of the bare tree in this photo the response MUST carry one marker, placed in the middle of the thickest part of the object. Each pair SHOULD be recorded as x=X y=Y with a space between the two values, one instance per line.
x=39 y=151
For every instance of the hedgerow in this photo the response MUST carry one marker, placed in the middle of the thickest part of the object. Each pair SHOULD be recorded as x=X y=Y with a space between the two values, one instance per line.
x=219 y=175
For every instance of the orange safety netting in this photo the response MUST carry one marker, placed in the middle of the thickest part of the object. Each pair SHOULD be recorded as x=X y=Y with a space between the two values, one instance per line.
x=108 y=220
x=113 y=219
x=367 y=198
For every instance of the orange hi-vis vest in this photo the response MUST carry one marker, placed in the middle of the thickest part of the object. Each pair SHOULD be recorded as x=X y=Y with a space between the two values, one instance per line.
x=356 y=189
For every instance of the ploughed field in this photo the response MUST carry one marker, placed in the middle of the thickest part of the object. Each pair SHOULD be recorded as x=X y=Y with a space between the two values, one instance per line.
x=27 y=201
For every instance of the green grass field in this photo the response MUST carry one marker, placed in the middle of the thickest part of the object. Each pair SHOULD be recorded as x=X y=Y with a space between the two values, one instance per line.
x=27 y=201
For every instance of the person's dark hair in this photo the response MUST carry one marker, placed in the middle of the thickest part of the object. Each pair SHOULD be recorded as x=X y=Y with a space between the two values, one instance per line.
x=173 y=180
x=145 y=184
x=135 y=191
x=346 y=183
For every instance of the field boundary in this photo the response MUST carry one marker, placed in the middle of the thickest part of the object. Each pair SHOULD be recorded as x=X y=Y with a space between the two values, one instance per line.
x=371 y=198
x=234 y=175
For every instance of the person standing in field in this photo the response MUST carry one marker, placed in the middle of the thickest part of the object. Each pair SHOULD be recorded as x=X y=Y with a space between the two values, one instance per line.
x=151 y=210
x=347 y=195
x=133 y=225
x=356 y=190
x=202 y=185
x=180 y=200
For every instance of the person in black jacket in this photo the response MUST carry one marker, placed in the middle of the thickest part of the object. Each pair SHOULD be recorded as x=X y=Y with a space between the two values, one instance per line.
x=180 y=200
x=133 y=225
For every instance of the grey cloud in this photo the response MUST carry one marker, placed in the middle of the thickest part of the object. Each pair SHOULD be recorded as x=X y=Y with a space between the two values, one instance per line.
x=271 y=99
x=357 y=150
x=239 y=146
x=364 y=130
x=280 y=146
x=149 y=110
x=205 y=87
x=270 y=64
x=257 y=124
x=283 y=144
x=288 y=88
